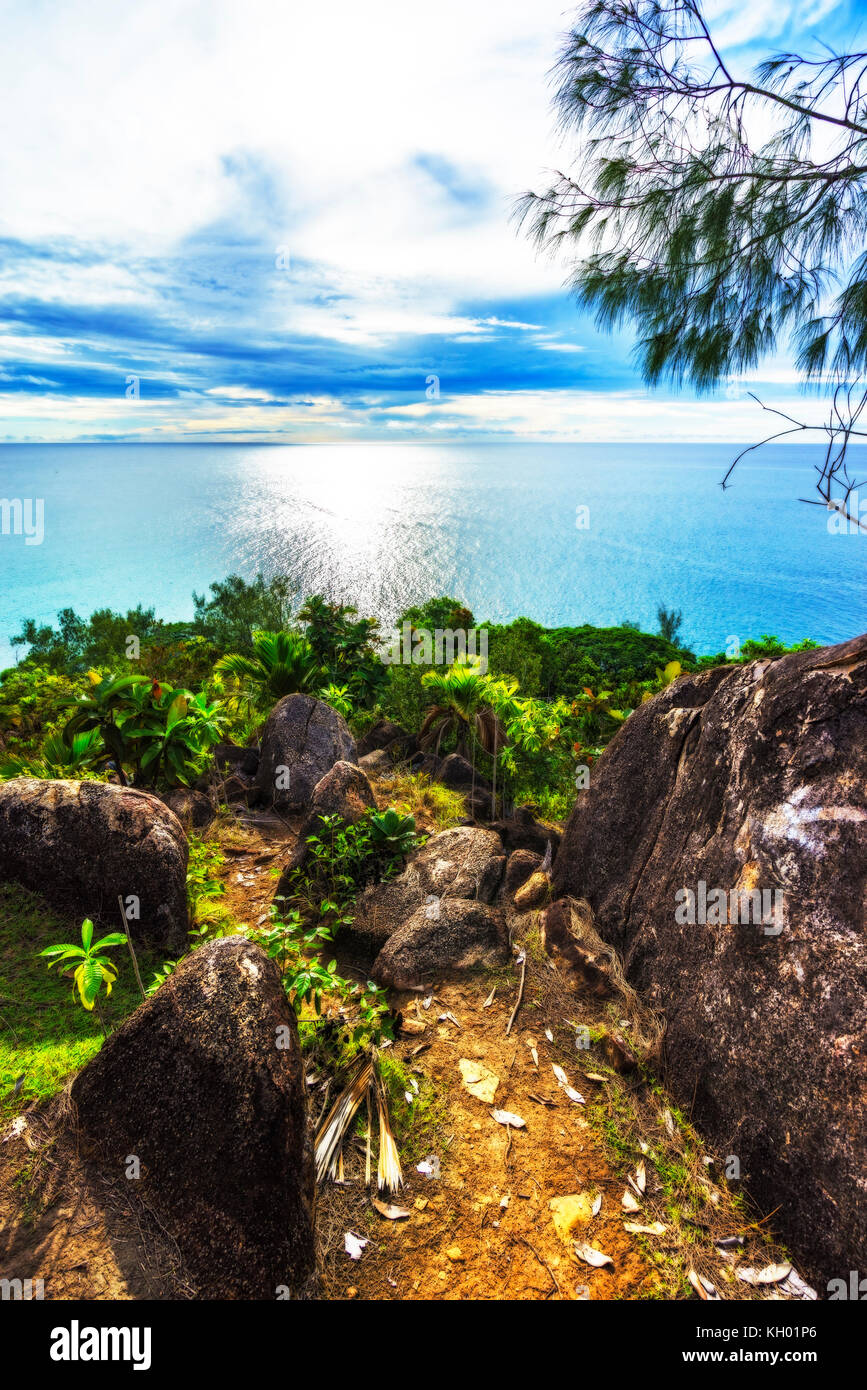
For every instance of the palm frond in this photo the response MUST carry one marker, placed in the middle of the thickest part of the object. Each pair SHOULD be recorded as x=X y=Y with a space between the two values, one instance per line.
x=389 y=1174
x=328 y=1145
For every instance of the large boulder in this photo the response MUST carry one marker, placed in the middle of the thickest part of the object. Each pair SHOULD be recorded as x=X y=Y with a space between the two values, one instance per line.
x=344 y=791
x=384 y=734
x=84 y=844
x=734 y=780
x=465 y=862
x=442 y=938
x=519 y=866
x=377 y=763
x=230 y=758
x=194 y=809
x=521 y=830
x=302 y=740
x=204 y=1085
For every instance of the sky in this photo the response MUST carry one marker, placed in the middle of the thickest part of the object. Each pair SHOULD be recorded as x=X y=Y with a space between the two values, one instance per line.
x=277 y=221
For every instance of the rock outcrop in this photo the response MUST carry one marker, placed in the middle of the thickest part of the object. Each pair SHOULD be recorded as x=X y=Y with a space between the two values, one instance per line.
x=344 y=791
x=440 y=939
x=521 y=830
x=194 y=809
x=519 y=866
x=465 y=862
x=735 y=782
x=376 y=763
x=204 y=1086
x=302 y=740
x=84 y=844
x=386 y=735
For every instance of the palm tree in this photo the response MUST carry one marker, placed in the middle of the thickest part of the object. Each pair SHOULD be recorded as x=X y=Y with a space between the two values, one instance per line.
x=283 y=663
x=461 y=707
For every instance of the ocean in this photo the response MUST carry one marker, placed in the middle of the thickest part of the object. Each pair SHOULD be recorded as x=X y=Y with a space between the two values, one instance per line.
x=564 y=534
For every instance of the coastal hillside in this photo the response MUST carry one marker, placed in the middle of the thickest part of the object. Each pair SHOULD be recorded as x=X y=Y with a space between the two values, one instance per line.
x=340 y=963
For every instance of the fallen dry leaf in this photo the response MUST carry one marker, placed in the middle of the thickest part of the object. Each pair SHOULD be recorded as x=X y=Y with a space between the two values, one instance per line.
x=391 y=1212
x=771 y=1274
x=703 y=1287
x=593 y=1257
x=353 y=1245
x=478 y=1080
x=570 y=1211
x=505 y=1117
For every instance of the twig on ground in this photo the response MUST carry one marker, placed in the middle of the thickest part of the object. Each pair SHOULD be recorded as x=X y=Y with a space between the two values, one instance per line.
x=520 y=997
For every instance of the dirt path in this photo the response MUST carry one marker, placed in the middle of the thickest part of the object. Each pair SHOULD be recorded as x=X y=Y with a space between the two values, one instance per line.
x=481 y=1223
x=483 y=1228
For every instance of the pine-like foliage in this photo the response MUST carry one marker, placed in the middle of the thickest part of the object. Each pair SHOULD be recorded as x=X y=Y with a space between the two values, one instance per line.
x=723 y=216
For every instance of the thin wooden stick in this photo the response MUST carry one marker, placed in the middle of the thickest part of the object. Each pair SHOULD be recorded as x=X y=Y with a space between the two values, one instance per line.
x=130 y=945
x=520 y=993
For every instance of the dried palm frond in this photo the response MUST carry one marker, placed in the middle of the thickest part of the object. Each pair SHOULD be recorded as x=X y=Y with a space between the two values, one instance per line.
x=329 y=1140
x=389 y=1174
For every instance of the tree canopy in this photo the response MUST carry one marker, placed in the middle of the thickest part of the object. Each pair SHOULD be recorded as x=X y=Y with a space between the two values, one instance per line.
x=723 y=215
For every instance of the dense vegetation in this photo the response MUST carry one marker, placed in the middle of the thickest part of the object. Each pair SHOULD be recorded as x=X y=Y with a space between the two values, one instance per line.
x=130 y=698
x=135 y=699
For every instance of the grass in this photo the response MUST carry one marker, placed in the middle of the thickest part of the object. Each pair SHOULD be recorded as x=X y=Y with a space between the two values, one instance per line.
x=417 y=1124
x=208 y=915
x=44 y=1036
x=433 y=805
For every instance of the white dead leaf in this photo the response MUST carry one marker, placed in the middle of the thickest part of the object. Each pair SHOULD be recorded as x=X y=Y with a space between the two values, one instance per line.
x=353 y=1245
x=657 y=1229
x=668 y=1121
x=504 y=1201
x=490 y=999
x=533 y=1053
x=414 y=1084
x=595 y=1076
x=628 y=1202
x=641 y=1177
x=426 y=1003
x=549 y=1035
x=597 y=1205
x=797 y=1287
x=563 y=1079
x=390 y=1211
x=408 y=1097
x=505 y=1117
x=703 y=1287
x=429 y=1167
x=593 y=1257
x=448 y=1017
x=771 y=1274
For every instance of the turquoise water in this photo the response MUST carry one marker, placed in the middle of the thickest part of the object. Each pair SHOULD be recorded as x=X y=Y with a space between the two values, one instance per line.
x=382 y=525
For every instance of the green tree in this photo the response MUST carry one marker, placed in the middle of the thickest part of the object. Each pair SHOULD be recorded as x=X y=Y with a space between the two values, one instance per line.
x=722 y=215
x=238 y=608
x=670 y=622
x=282 y=663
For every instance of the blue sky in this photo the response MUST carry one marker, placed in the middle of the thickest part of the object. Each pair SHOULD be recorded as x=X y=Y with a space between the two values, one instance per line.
x=277 y=221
